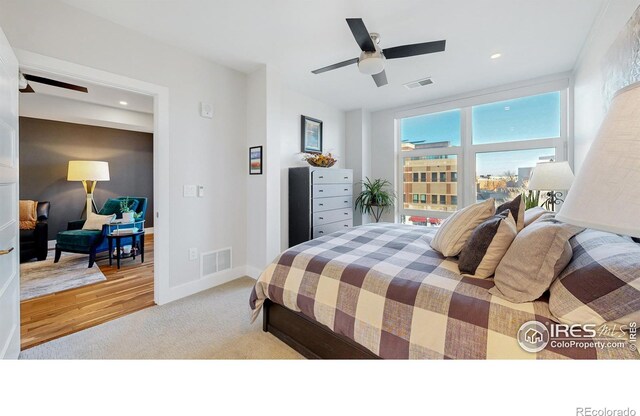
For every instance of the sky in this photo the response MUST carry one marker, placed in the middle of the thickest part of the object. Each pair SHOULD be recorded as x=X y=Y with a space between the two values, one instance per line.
x=534 y=117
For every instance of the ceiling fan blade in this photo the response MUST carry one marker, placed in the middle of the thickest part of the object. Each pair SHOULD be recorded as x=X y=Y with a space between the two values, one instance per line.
x=27 y=89
x=405 y=51
x=361 y=34
x=380 y=78
x=336 y=66
x=55 y=83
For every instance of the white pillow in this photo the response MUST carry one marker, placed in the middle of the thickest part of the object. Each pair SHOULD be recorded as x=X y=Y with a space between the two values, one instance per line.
x=95 y=221
x=455 y=230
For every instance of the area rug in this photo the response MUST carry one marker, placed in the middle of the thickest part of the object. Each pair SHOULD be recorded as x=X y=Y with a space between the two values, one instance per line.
x=39 y=278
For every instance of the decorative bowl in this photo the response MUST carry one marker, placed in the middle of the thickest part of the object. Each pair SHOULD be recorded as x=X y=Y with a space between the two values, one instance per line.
x=320 y=160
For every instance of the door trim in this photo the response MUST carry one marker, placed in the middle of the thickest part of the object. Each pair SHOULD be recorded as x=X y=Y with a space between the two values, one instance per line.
x=161 y=149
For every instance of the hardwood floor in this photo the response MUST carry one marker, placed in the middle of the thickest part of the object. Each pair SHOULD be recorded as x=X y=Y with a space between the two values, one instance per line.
x=125 y=291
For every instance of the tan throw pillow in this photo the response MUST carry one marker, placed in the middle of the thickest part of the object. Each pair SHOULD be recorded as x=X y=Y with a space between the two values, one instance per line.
x=533 y=214
x=487 y=245
x=95 y=221
x=536 y=257
x=455 y=230
x=516 y=206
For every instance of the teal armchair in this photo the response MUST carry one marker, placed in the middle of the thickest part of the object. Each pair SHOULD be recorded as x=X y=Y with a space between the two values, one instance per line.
x=91 y=242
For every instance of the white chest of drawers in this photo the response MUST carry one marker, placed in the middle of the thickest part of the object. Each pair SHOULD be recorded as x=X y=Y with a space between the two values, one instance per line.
x=320 y=202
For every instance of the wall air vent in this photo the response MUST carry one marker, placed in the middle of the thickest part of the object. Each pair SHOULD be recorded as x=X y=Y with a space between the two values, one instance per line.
x=213 y=262
x=419 y=83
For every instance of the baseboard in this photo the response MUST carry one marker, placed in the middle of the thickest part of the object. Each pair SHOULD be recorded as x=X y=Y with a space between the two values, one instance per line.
x=191 y=288
x=51 y=245
x=253 y=272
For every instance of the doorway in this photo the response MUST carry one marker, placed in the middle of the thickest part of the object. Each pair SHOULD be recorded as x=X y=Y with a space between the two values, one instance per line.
x=138 y=285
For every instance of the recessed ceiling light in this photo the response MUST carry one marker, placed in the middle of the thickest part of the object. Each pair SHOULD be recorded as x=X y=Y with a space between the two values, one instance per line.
x=123 y=103
x=496 y=55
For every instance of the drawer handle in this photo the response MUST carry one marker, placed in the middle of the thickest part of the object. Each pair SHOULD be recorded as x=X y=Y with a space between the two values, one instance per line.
x=346 y=213
x=346 y=202
x=320 y=177
x=346 y=189
x=320 y=232
x=321 y=205
x=320 y=190
x=320 y=218
x=346 y=225
x=346 y=177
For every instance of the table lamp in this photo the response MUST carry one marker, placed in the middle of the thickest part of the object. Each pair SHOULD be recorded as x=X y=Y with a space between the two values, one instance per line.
x=551 y=177
x=89 y=172
x=606 y=193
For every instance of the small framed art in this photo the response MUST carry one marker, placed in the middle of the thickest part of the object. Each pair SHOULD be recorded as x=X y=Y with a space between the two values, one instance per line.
x=311 y=135
x=255 y=160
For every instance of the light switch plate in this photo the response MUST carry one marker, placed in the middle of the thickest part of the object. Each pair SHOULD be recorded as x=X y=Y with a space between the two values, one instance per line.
x=189 y=191
x=193 y=254
x=200 y=191
x=206 y=110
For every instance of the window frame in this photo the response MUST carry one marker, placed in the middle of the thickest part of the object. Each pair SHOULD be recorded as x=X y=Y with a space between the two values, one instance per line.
x=467 y=151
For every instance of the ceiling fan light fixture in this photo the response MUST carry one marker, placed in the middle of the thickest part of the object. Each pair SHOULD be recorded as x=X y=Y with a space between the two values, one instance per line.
x=371 y=65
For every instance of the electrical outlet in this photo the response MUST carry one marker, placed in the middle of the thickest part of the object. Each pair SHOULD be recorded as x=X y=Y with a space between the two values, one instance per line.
x=200 y=191
x=193 y=254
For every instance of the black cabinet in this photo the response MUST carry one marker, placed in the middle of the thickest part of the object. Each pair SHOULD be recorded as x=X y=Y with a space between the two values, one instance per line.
x=320 y=202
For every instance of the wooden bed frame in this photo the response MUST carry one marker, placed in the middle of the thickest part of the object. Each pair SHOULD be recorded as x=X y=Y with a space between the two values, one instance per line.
x=309 y=338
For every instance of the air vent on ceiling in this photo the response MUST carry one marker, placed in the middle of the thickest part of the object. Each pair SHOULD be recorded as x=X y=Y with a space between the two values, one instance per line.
x=419 y=83
x=213 y=262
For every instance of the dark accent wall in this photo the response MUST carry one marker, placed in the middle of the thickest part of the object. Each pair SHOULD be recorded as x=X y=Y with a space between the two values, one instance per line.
x=46 y=147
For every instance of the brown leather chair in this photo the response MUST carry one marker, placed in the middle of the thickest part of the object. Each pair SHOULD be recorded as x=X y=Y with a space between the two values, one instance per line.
x=34 y=243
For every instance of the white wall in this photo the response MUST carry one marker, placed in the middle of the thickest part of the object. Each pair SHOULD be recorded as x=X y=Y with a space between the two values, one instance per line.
x=209 y=152
x=49 y=107
x=333 y=124
x=589 y=105
x=358 y=157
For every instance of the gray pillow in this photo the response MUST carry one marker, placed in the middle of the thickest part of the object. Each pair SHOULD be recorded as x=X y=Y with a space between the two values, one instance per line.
x=536 y=257
x=516 y=206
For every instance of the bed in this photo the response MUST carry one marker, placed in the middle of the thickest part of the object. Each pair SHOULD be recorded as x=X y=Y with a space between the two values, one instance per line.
x=380 y=291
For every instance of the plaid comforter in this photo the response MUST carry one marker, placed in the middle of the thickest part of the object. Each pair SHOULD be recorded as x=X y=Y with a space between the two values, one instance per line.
x=382 y=286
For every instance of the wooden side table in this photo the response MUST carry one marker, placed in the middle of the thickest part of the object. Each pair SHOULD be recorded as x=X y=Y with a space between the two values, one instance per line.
x=137 y=239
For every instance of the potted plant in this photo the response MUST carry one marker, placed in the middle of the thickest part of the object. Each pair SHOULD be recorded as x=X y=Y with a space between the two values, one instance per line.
x=375 y=198
x=531 y=199
x=128 y=215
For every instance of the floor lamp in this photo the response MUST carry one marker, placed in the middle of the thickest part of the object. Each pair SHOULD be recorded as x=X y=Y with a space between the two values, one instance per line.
x=89 y=172
x=551 y=177
x=606 y=195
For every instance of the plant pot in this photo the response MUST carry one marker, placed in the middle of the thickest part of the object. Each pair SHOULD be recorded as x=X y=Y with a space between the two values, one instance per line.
x=127 y=216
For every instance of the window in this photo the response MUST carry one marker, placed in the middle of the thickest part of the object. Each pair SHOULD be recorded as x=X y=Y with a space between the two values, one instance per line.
x=480 y=151
x=504 y=175
x=431 y=131
x=415 y=198
x=527 y=118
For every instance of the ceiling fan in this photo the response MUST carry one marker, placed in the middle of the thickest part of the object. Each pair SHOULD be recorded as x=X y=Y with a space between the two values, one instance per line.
x=25 y=87
x=371 y=59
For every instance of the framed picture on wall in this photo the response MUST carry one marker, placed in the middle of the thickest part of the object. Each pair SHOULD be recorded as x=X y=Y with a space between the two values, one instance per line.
x=311 y=133
x=255 y=160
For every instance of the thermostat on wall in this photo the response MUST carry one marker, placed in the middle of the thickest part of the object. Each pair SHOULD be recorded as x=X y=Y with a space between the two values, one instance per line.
x=206 y=110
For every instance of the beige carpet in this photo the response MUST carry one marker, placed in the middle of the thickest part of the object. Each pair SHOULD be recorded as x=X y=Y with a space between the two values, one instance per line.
x=210 y=324
x=39 y=278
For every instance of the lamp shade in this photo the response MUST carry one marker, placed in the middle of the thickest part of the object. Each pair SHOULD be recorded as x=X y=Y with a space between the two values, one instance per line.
x=551 y=176
x=88 y=170
x=606 y=193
